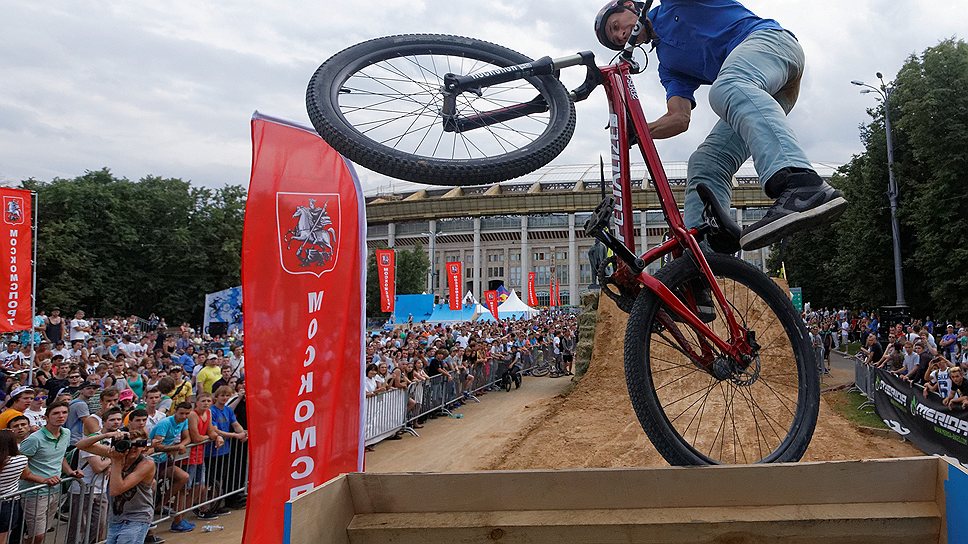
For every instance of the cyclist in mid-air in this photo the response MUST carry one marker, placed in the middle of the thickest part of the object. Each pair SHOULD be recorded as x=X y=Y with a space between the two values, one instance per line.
x=754 y=68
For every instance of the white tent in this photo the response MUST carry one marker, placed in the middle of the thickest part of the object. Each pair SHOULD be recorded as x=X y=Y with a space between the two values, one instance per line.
x=515 y=306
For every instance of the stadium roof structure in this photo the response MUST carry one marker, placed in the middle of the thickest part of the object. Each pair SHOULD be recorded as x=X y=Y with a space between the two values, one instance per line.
x=551 y=189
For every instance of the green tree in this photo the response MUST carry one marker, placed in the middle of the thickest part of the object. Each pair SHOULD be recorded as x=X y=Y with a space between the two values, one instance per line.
x=929 y=111
x=412 y=268
x=411 y=277
x=110 y=245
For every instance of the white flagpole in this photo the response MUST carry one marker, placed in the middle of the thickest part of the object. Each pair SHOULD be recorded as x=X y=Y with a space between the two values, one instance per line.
x=33 y=293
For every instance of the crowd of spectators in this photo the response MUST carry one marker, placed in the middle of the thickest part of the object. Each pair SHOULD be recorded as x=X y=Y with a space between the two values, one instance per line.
x=931 y=355
x=174 y=388
x=416 y=352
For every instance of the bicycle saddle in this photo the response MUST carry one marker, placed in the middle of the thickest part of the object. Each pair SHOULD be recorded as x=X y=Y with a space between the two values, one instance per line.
x=721 y=232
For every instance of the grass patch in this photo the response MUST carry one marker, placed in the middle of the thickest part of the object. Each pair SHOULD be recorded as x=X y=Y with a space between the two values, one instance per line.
x=845 y=403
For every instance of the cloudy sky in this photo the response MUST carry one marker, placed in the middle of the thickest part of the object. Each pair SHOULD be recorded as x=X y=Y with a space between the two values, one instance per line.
x=168 y=88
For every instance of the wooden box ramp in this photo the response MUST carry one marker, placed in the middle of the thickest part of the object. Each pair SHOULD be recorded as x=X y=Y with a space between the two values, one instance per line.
x=877 y=501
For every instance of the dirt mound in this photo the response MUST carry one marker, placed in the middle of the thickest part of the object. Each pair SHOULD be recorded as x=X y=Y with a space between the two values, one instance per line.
x=595 y=426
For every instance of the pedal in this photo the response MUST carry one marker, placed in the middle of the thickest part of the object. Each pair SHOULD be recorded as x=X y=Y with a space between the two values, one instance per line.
x=718 y=228
x=601 y=218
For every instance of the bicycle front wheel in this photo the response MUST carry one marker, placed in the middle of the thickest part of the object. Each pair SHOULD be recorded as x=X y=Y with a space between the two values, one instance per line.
x=379 y=103
x=763 y=413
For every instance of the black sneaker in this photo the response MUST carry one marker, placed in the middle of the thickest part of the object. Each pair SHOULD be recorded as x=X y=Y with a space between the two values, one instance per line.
x=805 y=201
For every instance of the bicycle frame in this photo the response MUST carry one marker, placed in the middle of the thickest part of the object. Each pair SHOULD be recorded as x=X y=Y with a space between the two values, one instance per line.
x=622 y=98
x=624 y=104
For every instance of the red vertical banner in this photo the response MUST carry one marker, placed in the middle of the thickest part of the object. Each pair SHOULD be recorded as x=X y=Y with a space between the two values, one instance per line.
x=386 y=275
x=532 y=295
x=552 y=296
x=303 y=275
x=557 y=292
x=455 y=279
x=490 y=298
x=17 y=246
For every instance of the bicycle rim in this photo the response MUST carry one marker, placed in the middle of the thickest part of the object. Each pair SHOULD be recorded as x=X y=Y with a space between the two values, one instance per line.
x=763 y=414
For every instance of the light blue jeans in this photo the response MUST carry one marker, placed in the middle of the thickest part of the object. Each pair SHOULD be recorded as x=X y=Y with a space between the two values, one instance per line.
x=127 y=532
x=754 y=91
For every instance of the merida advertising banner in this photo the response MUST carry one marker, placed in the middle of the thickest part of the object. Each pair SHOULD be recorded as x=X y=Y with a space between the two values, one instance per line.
x=925 y=421
x=223 y=307
x=532 y=294
x=490 y=299
x=303 y=273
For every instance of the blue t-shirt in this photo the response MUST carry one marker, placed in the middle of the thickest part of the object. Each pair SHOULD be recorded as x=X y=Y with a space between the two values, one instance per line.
x=171 y=432
x=695 y=37
x=222 y=419
x=187 y=362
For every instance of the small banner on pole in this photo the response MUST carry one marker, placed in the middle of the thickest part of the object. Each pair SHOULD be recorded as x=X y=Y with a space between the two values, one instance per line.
x=552 y=299
x=455 y=278
x=303 y=275
x=490 y=298
x=386 y=274
x=532 y=295
x=17 y=247
x=925 y=421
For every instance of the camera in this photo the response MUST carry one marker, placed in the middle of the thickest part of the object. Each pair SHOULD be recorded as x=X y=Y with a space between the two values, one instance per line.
x=122 y=445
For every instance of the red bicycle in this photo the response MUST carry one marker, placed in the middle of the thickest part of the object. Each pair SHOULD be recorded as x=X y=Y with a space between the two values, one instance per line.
x=717 y=362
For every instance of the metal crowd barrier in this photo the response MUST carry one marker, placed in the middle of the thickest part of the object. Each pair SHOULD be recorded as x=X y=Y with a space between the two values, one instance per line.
x=75 y=511
x=385 y=414
x=397 y=410
x=218 y=477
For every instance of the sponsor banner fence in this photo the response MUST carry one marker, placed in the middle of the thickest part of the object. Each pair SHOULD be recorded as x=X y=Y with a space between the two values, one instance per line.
x=16 y=245
x=303 y=272
x=924 y=420
x=455 y=279
x=386 y=275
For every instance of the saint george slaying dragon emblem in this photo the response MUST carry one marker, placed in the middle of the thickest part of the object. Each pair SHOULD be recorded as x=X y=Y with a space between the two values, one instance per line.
x=310 y=244
x=13 y=210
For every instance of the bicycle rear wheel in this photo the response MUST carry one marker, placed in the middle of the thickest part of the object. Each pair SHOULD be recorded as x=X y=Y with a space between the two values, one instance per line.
x=765 y=414
x=379 y=104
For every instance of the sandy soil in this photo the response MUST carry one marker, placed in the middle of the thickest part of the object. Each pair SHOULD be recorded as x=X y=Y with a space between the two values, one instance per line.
x=595 y=425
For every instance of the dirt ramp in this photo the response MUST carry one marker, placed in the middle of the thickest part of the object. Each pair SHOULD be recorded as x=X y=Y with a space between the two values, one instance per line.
x=595 y=426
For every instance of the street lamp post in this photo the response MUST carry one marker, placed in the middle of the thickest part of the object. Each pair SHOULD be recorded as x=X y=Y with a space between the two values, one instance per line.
x=885 y=93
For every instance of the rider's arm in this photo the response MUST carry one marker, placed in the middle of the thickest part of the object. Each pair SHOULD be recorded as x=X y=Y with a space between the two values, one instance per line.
x=675 y=121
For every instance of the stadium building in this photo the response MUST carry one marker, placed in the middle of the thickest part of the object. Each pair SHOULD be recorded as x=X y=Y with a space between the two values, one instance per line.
x=501 y=232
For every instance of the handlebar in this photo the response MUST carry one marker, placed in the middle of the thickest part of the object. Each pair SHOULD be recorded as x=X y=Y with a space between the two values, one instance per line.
x=455 y=84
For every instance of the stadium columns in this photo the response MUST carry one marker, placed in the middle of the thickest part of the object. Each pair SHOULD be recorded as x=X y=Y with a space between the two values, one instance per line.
x=391 y=235
x=477 y=258
x=572 y=262
x=432 y=253
x=525 y=257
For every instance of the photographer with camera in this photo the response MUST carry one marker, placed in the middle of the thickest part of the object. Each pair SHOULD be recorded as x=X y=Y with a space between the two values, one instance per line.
x=131 y=483
x=88 y=495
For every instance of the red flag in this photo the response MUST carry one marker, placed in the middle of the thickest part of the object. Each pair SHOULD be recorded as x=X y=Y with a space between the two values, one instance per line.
x=17 y=247
x=303 y=272
x=532 y=295
x=386 y=274
x=455 y=278
x=490 y=298
x=557 y=292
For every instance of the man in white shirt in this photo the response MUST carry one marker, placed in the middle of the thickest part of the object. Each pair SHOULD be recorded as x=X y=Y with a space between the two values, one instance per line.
x=11 y=358
x=62 y=350
x=80 y=328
